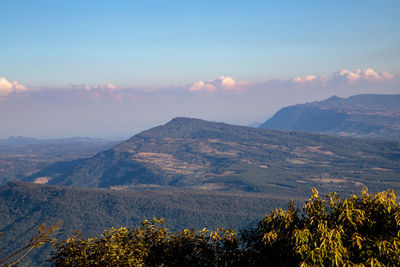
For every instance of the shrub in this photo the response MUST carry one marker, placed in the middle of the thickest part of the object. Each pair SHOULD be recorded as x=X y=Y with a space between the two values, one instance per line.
x=357 y=231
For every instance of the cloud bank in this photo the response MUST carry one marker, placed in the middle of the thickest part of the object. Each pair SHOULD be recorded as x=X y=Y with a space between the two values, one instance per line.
x=108 y=86
x=108 y=91
x=345 y=77
x=222 y=83
x=356 y=81
x=8 y=87
x=112 y=110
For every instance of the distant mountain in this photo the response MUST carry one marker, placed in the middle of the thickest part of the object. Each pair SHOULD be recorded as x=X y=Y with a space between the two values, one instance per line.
x=23 y=206
x=16 y=140
x=22 y=156
x=255 y=124
x=196 y=154
x=367 y=116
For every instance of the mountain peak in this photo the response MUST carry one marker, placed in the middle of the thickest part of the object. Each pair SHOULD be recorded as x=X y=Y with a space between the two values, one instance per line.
x=334 y=98
x=367 y=116
x=183 y=127
x=183 y=121
x=197 y=154
x=192 y=128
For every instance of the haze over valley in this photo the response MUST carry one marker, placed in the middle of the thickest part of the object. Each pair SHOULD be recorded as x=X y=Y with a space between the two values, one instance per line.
x=208 y=114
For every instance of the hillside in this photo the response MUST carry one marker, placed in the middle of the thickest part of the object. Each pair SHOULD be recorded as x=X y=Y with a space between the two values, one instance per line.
x=196 y=154
x=367 y=116
x=23 y=206
x=22 y=156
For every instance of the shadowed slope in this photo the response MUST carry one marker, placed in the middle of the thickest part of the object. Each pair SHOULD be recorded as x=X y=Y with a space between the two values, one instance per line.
x=196 y=154
x=368 y=116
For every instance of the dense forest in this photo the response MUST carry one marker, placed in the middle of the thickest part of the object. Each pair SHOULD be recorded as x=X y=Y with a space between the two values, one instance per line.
x=356 y=231
x=24 y=206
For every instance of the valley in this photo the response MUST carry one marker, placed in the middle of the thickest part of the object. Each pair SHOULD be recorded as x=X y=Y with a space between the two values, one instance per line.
x=22 y=156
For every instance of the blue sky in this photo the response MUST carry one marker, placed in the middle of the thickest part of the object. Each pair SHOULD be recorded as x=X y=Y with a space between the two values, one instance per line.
x=56 y=46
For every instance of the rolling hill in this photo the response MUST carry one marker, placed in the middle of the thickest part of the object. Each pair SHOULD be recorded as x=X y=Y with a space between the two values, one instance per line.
x=367 y=116
x=196 y=154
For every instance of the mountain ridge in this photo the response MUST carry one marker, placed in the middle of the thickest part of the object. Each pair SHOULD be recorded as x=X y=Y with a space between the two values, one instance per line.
x=197 y=154
x=368 y=116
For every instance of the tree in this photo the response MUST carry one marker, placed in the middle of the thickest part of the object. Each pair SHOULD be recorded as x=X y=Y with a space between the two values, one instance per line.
x=357 y=231
x=43 y=237
x=150 y=245
x=361 y=231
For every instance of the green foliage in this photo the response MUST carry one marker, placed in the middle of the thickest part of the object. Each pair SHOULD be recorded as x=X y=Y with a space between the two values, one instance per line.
x=37 y=241
x=357 y=231
x=116 y=247
x=360 y=231
x=150 y=245
x=23 y=206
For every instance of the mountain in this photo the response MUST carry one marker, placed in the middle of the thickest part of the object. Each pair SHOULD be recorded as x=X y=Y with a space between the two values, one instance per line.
x=196 y=154
x=367 y=116
x=255 y=124
x=16 y=140
x=22 y=156
x=23 y=206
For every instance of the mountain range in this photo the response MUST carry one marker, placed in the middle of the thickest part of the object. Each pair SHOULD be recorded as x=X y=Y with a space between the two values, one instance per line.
x=367 y=116
x=22 y=156
x=197 y=173
x=196 y=154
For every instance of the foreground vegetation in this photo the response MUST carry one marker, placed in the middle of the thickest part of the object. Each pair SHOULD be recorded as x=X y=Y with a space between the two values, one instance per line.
x=24 y=206
x=357 y=231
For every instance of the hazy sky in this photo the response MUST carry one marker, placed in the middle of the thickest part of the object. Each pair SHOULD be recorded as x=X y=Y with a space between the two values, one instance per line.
x=113 y=68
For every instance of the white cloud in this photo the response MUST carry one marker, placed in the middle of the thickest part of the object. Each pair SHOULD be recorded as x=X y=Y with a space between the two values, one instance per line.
x=106 y=92
x=387 y=76
x=344 y=77
x=8 y=87
x=305 y=79
x=222 y=83
x=108 y=86
x=202 y=86
x=227 y=83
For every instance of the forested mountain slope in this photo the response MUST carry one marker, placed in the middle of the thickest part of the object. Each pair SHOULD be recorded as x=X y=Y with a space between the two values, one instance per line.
x=196 y=154
x=367 y=116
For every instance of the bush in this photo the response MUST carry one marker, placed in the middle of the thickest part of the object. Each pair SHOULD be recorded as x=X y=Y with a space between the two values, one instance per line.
x=361 y=231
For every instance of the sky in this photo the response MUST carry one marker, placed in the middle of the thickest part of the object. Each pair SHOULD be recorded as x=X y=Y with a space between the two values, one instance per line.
x=111 y=69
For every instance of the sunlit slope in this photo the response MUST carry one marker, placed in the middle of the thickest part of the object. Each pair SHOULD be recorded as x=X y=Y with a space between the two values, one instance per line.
x=197 y=154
